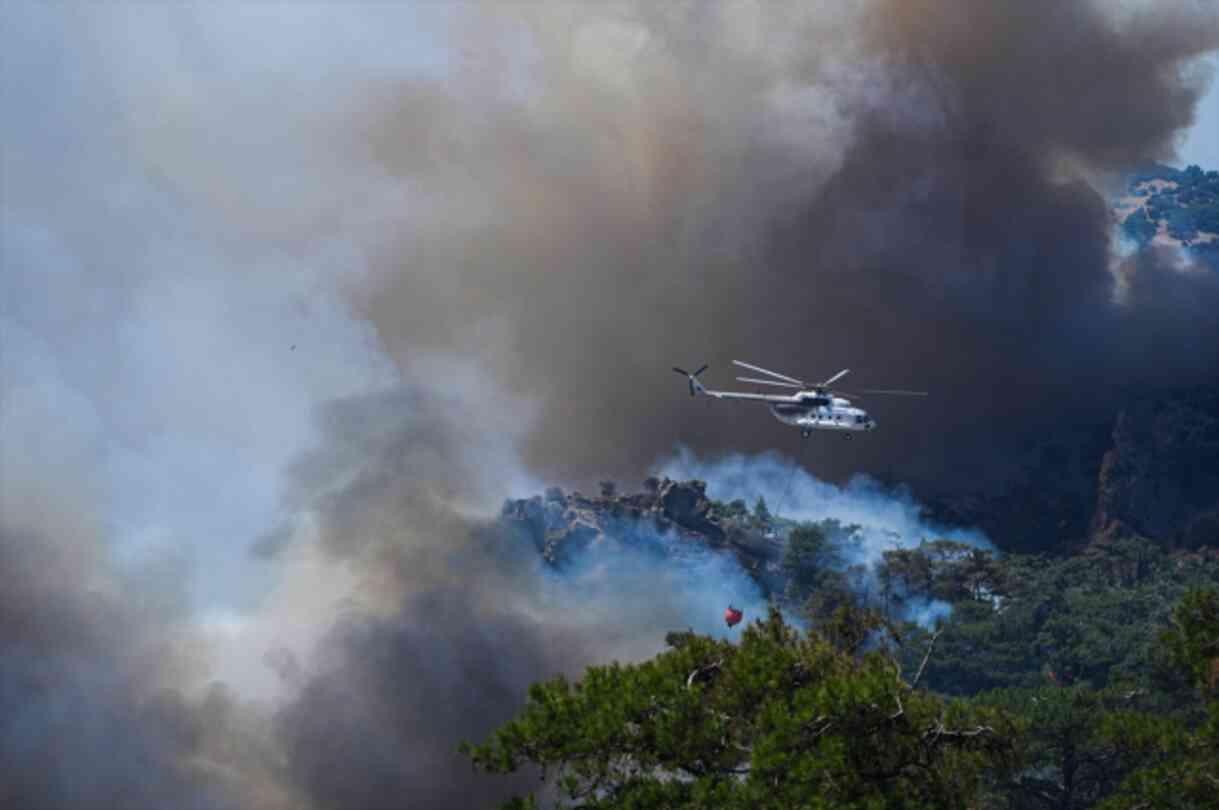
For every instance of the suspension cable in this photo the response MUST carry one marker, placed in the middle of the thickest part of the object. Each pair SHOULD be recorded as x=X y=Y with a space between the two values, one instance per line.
x=791 y=476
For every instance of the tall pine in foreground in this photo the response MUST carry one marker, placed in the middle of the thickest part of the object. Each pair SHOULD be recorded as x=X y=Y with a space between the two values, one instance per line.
x=779 y=720
x=1180 y=755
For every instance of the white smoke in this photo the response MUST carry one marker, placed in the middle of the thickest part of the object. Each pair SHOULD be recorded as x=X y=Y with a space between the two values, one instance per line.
x=887 y=519
x=657 y=590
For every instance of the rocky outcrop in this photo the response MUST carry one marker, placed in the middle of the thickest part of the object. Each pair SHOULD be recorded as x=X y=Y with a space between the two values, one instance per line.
x=687 y=505
x=672 y=517
x=558 y=525
x=1160 y=480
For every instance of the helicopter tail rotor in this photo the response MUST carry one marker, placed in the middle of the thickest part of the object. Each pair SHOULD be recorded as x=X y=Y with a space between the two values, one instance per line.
x=696 y=387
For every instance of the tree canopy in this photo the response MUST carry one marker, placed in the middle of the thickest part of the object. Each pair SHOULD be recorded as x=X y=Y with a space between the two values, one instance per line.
x=828 y=719
x=1178 y=753
x=780 y=720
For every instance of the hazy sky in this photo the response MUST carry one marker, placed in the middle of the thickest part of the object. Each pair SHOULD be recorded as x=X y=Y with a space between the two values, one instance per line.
x=1201 y=143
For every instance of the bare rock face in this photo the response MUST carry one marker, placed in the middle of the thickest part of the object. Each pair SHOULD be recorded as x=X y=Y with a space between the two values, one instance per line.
x=1160 y=480
x=674 y=518
x=560 y=545
x=686 y=504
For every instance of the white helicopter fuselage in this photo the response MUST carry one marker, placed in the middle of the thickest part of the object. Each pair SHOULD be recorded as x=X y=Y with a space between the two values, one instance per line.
x=823 y=413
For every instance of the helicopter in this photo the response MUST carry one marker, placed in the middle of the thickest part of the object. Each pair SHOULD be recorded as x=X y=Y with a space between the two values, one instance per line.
x=814 y=406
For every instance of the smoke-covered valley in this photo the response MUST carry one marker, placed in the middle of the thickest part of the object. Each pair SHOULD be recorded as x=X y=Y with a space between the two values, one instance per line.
x=294 y=298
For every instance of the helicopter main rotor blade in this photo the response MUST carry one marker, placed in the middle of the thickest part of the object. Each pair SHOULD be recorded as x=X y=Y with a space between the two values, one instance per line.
x=835 y=378
x=896 y=393
x=770 y=382
x=783 y=377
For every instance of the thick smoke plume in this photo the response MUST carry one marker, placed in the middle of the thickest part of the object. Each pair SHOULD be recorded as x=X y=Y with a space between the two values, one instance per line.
x=899 y=188
x=104 y=695
x=453 y=620
x=485 y=264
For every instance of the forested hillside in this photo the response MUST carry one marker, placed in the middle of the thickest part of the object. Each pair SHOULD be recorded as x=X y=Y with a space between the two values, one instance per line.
x=1036 y=682
x=1167 y=206
x=937 y=674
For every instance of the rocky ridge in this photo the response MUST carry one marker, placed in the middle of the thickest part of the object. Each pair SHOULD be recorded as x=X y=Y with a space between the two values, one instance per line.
x=673 y=517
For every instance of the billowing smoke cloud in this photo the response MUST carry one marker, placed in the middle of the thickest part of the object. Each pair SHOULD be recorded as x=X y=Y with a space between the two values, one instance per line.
x=886 y=519
x=876 y=518
x=104 y=696
x=101 y=699
x=453 y=620
x=899 y=188
x=482 y=234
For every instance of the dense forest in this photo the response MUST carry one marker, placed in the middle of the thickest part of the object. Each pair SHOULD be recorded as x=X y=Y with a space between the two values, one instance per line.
x=941 y=675
x=1173 y=204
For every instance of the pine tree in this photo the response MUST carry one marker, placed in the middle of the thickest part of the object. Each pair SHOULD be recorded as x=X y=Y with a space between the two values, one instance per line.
x=778 y=721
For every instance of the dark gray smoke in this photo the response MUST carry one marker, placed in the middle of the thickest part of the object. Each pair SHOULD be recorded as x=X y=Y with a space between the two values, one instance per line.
x=452 y=620
x=380 y=730
x=902 y=190
x=95 y=664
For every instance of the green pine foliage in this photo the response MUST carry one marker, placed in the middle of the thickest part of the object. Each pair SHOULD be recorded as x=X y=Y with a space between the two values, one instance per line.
x=807 y=559
x=1178 y=752
x=780 y=720
x=761 y=511
x=1052 y=683
x=1025 y=621
x=1066 y=761
x=790 y=720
